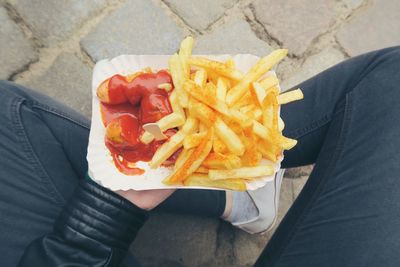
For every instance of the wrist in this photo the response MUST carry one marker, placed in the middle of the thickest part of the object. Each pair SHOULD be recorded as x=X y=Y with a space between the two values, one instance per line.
x=146 y=199
x=135 y=200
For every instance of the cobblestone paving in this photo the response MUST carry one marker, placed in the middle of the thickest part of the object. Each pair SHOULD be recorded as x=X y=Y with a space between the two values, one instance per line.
x=52 y=46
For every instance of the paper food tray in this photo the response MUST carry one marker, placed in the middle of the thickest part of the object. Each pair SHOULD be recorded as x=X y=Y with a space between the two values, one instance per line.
x=101 y=166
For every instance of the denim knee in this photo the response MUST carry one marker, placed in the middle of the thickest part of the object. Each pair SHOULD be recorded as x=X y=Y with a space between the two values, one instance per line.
x=390 y=70
x=389 y=58
x=10 y=91
x=384 y=74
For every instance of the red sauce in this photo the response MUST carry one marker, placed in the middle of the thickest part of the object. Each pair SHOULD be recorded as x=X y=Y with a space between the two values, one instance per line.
x=110 y=112
x=116 y=86
x=154 y=103
x=147 y=103
x=124 y=166
x=125 y=156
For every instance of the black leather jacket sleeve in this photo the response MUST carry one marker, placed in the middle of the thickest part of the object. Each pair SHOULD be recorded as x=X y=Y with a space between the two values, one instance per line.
x=95 y=228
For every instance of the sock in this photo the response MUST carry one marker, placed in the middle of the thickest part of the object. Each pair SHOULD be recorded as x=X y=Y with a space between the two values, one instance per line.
x=243 y=208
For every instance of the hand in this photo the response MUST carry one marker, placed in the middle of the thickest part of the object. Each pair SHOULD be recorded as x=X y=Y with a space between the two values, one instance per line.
x=146 y=199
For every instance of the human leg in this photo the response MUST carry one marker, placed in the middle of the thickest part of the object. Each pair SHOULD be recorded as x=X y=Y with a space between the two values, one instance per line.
x=347 y=213
x=42 y=151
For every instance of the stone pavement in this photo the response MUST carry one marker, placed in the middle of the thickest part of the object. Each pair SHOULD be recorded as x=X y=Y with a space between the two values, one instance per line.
x=53 y=45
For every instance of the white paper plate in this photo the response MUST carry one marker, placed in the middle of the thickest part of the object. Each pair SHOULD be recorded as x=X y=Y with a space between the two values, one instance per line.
x=101 y=166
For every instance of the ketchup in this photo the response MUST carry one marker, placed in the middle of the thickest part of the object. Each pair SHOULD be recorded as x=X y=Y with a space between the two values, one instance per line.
x=144 y=103
x=125 y=157
x=153 y=101
x=110 y=112
x=116 y=86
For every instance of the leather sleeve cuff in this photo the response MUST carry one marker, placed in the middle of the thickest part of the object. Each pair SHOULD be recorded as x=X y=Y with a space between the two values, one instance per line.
x=101 y=215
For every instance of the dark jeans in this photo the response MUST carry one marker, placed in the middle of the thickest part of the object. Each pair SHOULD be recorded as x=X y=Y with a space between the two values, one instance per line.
x=348 y=124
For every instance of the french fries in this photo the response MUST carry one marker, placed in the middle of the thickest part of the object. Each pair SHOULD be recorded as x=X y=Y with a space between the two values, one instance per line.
x=258 y=93
x=179 y=76
x=262 y=131
x=200 y=78
x=221 y=161
x=182 y=158
x=205 y=114
x=191 y=125
x=206 y=95
x=202 y=170
x=241 y=118
x=170 y=121
x=193 y=140
x=290 y=96
x=281 y=124
x=231 y=140
x=269 y=82
x=217 y=67
x=175 y=104
x=241 y=173
x=167 y=149
x=199 y=179
x=166 y=86
x=269 y=151
x=186 y=46
x=221 y=89
x=258 y=70
x=193 y=161
x=219 y=146
x=286 y=143
x=230 y=131
x=251 y=156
